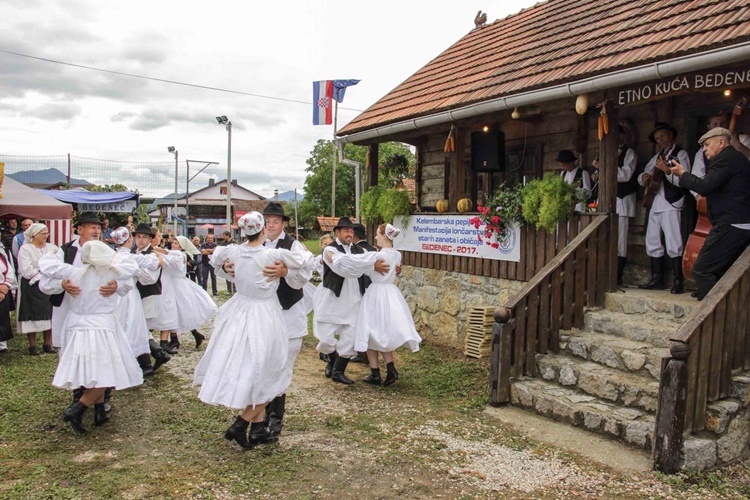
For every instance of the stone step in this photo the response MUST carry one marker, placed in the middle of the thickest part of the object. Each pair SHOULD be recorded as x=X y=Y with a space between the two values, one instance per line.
x=638 y=328
x=581 y=410
x=652 y=303
x=620 y=387
x=641 y=357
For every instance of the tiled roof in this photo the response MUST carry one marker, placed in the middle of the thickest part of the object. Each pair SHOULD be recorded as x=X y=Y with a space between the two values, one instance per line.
x=555 y=42
x=328 y=223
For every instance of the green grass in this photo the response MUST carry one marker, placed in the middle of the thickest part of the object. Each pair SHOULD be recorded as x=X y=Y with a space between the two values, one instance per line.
x=313 y=245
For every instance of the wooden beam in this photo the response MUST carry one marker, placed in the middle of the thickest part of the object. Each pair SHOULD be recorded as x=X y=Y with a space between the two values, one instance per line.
x=372 y=173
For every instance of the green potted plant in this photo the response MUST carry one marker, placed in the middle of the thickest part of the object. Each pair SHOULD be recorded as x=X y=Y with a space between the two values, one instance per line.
x=499 y=214
x=550 y=200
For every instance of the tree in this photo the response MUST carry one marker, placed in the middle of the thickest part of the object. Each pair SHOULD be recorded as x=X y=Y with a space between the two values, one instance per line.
x=396 y=162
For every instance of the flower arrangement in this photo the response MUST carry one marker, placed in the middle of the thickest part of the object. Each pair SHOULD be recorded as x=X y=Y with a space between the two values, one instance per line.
x=499 y=214
x=592 y=208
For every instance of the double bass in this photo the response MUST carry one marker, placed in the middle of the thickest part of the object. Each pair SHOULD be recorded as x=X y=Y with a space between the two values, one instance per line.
x=703 y=226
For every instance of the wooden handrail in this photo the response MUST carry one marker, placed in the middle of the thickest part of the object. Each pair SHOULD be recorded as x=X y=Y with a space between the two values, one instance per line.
x=552 y=300
x=711 y=343
x=557 y=261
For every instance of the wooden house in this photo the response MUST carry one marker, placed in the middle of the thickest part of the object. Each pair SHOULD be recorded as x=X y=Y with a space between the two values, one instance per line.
x=659 y=372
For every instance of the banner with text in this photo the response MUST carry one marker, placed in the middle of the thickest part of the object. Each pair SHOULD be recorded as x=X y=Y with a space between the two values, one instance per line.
x=453 y=235
x=125 y=206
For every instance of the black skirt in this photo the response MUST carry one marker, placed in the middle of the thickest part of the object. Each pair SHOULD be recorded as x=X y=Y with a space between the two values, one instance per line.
x=6 y=333
x=35 y=305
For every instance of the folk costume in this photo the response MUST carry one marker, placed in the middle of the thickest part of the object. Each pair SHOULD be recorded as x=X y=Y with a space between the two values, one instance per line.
x=578 y=177
x=384 y=322
x=245 y=363
x=336 y=304
x=664 y=215
x=7 y=278
x=34 y=310
x=96 y=353
x=627 y=186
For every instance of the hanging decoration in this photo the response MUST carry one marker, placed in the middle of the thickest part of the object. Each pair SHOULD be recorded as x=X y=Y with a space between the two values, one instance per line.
x=450 y=142
x=603 y=128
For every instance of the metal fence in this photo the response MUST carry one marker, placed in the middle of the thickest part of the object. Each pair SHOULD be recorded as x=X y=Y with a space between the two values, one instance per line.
x=149 y=178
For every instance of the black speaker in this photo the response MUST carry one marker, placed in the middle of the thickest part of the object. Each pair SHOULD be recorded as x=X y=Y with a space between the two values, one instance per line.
x=488 y=151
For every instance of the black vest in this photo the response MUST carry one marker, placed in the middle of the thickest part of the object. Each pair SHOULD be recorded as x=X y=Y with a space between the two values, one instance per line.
x=154 y=288
x=673 y=193
x=287 y=295
x=333 y=281
x=627 y=187
x=69 y=255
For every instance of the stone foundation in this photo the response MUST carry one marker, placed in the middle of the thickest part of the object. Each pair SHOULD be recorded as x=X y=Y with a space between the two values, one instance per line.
x=440 y=300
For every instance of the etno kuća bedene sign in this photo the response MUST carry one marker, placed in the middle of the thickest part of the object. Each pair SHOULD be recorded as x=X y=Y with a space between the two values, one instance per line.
x=453 y=235
x=681 y=84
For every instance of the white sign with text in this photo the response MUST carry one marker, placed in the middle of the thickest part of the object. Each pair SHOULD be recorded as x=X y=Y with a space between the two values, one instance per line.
x=126 y=206
x=453 y=235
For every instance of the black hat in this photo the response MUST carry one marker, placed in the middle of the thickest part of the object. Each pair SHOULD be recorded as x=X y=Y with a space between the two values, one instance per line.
x=344 y=222
x=662 y=126
x=360 y=231
x=143 y=228
x=566 y=156
x=274 y=208
x=88 y=218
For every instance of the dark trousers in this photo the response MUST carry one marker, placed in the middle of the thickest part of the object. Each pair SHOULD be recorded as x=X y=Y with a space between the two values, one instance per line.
x=199 y=273
x=206 y=271
x=724 y=244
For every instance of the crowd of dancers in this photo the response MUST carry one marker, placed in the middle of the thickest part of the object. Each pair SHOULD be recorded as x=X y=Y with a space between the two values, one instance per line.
x=97 y=307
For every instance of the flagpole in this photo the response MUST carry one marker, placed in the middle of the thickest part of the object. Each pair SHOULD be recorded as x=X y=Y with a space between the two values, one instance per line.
x=333 y=182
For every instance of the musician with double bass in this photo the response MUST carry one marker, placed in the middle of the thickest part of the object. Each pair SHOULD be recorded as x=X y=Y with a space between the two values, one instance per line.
x=665 y=198
x=726 y=187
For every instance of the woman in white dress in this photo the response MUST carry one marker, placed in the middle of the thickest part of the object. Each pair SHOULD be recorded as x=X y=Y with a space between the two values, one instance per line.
x=384 y=322
x=244 y=365
x=96 y=354
x=130 y=309
x=193 y=304
x=34 y=310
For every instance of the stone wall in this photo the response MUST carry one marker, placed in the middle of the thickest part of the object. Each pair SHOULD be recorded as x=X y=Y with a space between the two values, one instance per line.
x=726 y=438
x=440 y=300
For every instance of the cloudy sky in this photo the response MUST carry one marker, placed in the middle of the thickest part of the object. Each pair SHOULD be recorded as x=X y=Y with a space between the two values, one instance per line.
x=273 y=49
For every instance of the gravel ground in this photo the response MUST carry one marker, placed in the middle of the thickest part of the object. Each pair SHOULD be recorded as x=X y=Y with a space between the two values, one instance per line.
x=440 y=452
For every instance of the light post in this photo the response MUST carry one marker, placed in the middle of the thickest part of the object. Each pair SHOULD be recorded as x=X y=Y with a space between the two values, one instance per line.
x=172 y=149
x=223 y=120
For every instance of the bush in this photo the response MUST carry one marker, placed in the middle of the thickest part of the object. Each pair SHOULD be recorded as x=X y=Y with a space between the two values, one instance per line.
x=549 y=200
x=382 y=205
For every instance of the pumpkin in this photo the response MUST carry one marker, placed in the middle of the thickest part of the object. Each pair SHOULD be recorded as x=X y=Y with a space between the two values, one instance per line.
x=464 y=205
x=442 y=206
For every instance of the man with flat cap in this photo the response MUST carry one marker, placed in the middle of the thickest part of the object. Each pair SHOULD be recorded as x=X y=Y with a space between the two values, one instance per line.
x=337 y=303
x=726 y=187
x=665 y=210
x=295 y=305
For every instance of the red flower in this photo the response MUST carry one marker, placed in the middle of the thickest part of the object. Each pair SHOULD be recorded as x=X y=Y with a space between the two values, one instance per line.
x=495 y=219
x=480 y=208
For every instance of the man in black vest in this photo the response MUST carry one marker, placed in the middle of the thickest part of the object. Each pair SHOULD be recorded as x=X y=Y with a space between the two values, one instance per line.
x=149 y=287
x=664 y=214
x=360 y=240
x=337 y=304
x=726 y=187
x=291 y=297
x=573 y=174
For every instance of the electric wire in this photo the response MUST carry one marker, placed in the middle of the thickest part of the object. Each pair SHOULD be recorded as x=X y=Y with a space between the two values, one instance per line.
x=163 y=80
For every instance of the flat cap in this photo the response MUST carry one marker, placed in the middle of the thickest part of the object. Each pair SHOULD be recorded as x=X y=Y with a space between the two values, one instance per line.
x=714 y=132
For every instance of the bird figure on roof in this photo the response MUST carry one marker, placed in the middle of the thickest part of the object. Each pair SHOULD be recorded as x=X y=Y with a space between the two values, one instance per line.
x=480 y=20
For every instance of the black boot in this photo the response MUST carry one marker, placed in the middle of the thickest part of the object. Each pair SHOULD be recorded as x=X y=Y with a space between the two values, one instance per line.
x=199 y=338
x=174 y=342
x=374 y=377
x=275 y=414
x=107 y=398
x=238 y=432
x=259 y=434
x=657 y=275
x=74 y=414
x=329 y=366
x=77 y=393
x=49 y=349
x=144 y=361
x=391 y=374
x=164 y=344
x=678 y=286
x=339 y=367
x=160 y=356
x=100 y=416
x=620 y=269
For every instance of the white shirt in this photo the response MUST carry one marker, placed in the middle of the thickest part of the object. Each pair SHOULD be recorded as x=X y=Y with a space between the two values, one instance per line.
x=660 y=201
x=626 y=205
x=341 y=310
x=569 y=177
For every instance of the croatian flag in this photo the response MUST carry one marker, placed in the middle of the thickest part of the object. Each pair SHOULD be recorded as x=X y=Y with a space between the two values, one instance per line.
x=323 y=102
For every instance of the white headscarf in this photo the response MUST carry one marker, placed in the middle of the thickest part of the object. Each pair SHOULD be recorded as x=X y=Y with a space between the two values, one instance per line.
x=392 y=232
x=98 y=254
x=252 y=223
x=187 y=245
x=121 y=235
x=32 y=231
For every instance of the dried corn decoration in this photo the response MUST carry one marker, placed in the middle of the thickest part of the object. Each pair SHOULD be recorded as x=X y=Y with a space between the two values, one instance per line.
x=450 y=142
x=603 y=126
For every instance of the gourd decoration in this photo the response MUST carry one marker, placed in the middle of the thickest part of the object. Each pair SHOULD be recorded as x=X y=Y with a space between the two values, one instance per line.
x=465 y=205
x=442 y=206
